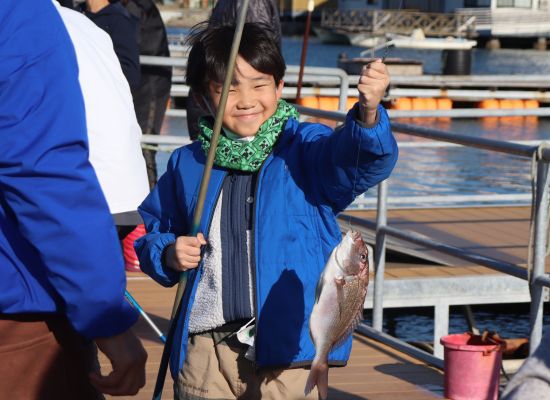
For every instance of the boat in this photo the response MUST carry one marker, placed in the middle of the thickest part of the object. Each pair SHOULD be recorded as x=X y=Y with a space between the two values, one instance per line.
x=417 y=40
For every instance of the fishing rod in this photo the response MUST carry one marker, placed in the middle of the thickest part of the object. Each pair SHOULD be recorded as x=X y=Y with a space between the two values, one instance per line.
x=157 y=394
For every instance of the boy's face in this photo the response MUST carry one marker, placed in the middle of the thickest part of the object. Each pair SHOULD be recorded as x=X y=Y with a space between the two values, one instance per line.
x=252 y=99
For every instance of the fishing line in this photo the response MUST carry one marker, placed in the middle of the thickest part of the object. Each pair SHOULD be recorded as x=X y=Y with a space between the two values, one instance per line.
x=363 y=117
x=387 y=48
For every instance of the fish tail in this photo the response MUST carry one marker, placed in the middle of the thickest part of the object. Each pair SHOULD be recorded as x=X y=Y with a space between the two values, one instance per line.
x=318 y=376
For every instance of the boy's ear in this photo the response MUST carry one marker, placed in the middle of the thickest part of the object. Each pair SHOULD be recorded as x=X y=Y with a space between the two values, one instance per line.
x=279 y=90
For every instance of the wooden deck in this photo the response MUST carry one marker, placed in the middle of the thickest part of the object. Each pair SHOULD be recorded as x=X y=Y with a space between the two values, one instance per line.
x=497 y=232
x=375 y=371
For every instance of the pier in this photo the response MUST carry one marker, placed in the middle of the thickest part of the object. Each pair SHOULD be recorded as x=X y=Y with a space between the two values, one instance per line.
x=382 y=22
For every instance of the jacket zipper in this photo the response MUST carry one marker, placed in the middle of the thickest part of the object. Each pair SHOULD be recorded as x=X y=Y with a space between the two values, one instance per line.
x=253 y=268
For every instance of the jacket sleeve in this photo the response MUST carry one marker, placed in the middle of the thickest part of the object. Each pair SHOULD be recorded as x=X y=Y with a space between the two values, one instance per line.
x=350 y=160
x=163 y=221
x=47 y=184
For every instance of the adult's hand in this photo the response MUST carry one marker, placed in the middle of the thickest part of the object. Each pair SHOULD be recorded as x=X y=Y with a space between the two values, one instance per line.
x=128 y=358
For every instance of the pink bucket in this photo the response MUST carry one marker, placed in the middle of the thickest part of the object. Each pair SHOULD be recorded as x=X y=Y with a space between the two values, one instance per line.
x=472 y=367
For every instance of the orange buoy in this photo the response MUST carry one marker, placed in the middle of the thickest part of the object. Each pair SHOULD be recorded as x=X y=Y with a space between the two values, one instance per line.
x=419 y=103
x=351 y=102
x=402 y=103
x=328 y=103
x=489 y=104
x=309 y=101
x=518 y=103
x=507 y=103
x=444 y=104
x=430 y=103
x=531 y=103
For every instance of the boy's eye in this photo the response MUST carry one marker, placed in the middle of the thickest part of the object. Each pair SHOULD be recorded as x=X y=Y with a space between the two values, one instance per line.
x=260 y=86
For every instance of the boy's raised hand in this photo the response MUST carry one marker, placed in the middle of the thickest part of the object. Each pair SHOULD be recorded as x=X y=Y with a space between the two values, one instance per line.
x=185 y=253
x=372 y=85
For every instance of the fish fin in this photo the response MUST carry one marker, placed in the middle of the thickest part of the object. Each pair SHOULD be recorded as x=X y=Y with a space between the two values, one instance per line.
x=340 y=280
x=318 y=376
x=343 y=337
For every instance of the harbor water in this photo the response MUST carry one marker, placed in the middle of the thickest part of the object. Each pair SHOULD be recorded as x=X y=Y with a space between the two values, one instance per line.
x=424 y=170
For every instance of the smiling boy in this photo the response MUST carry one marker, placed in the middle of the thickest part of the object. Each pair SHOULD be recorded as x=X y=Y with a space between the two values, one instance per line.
x=269 y=218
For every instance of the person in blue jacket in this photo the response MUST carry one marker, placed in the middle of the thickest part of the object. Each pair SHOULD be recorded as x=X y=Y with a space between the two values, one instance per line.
x=62 y=278
x=269 y=222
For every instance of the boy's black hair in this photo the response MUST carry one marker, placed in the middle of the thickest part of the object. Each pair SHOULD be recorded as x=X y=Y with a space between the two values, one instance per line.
x=210 y=48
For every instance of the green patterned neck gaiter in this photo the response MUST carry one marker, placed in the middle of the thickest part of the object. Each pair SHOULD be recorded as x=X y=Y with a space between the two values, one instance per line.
x=247 y=155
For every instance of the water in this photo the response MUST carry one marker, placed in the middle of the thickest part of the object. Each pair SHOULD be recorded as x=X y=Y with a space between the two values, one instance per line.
x=447 y=170
x=416 y=324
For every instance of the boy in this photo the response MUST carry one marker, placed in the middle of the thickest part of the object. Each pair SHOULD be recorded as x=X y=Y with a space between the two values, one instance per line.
x=269 y=216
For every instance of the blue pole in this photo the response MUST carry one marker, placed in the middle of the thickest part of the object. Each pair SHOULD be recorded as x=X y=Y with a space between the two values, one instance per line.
x=142 y=312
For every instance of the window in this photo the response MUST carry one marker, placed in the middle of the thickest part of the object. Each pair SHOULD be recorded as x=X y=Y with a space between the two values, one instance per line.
x=477 y=3
x=514 y=3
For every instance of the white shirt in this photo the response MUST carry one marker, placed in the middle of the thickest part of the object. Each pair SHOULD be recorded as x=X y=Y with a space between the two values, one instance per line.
x=113 y=130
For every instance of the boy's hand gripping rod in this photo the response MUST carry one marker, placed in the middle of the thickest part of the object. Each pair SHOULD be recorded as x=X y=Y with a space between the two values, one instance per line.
x=157 y=394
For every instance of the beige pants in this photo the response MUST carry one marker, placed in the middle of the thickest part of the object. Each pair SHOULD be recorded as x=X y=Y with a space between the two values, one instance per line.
x=215 y=368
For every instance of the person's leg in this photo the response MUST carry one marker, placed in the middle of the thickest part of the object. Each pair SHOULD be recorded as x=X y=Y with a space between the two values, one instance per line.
x=202 y=377
x=286 y=384
x=44 y=358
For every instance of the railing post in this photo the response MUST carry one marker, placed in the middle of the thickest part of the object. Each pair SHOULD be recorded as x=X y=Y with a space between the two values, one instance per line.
x=441 y=327
x=380 y=256
x=539 y=256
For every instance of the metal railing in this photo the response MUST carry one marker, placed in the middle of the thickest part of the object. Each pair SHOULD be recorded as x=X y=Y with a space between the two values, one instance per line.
x=311 y=75
x=536 y=275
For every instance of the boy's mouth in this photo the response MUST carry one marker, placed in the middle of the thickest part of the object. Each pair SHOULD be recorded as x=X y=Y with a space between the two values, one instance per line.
x=247 y=116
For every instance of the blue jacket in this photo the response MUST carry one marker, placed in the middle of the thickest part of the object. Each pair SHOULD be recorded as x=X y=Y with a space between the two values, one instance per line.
x=59 y=252
x=306 y=180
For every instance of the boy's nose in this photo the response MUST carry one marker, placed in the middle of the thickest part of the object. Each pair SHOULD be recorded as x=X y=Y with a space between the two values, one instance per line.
x=246 y=102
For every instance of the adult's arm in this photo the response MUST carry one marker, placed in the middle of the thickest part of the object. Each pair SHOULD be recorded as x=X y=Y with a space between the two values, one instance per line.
x=46 y=181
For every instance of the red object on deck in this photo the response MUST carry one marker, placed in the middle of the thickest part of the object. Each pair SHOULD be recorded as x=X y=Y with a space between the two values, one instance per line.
x=131 y=261
x=472 y=367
